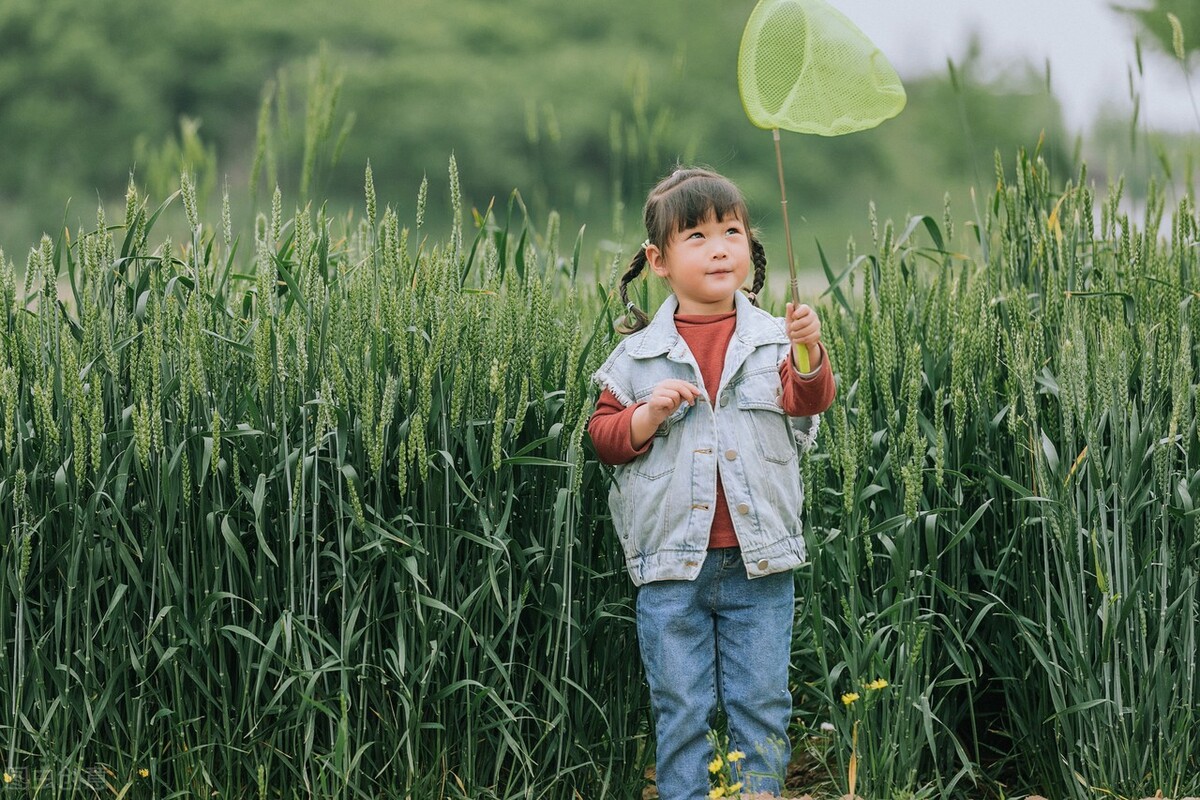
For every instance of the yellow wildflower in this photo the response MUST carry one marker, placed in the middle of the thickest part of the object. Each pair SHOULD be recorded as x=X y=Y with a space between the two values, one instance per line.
x=736 y=756
x=8 y=778
x=145 y=773
x=849 y=697
x=714 y=766
x=877 y=684
x=734 y=788
x=715 y=793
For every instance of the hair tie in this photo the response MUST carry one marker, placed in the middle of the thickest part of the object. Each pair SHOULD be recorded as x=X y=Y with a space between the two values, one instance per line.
x=751 y=296
x=646 y=244
x=629 y=306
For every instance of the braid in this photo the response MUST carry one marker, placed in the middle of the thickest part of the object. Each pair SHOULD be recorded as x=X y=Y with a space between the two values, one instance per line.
x=640 y=320
x=759 y=256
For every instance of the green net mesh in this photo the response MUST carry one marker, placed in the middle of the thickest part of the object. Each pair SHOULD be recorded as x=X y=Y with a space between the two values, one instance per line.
x=804 y=67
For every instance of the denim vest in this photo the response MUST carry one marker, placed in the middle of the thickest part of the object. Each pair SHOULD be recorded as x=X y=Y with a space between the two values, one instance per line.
x=663 y=502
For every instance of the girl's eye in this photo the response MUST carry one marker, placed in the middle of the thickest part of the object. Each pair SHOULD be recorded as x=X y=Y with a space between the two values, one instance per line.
x=733 y=231
x=694 y=234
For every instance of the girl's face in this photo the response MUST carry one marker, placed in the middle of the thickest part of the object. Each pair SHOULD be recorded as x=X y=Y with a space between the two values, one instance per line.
x=705 y=264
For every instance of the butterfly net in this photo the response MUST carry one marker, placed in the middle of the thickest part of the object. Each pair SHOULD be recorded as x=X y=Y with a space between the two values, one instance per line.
x=803 y=67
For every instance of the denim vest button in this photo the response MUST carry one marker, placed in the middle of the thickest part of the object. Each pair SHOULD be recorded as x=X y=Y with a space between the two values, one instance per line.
x=725 y=399
x=762 y=564
x=743 y=508
x=731 y=454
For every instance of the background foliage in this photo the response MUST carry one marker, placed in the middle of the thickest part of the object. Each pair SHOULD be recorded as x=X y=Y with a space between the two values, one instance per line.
x=581 y=107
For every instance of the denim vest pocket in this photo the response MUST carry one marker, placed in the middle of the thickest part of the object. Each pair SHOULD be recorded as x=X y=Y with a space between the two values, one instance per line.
x=759 y=396
x=647 y=512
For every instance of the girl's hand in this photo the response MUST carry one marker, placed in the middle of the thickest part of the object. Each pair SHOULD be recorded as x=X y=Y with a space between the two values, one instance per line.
x=668 y=396
x=804 y=328
x=664 y=399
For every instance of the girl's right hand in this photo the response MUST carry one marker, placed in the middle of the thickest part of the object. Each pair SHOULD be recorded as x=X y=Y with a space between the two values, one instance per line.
x=662 y=402
x=669 y=395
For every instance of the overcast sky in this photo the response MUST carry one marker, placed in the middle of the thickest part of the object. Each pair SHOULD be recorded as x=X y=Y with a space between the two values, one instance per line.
x=1090 y=48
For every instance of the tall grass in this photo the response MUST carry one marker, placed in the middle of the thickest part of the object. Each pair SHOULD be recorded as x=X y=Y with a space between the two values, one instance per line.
x=301 y=511
x=308 y=510
x=1105 y=606
x=894 y=520
x=1004 y=524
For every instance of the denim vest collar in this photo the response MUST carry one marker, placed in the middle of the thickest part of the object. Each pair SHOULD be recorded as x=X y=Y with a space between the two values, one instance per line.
x=754 y=327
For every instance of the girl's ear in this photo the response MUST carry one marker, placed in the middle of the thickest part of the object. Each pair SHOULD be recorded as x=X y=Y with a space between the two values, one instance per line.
x=654 y=257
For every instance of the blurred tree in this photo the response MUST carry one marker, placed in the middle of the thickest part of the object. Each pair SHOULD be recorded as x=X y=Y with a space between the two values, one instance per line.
x=81 y=83
x=581 y=107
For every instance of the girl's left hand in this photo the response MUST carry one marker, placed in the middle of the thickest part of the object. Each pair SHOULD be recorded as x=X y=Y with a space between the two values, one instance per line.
x=804 y=329
x=803 y=326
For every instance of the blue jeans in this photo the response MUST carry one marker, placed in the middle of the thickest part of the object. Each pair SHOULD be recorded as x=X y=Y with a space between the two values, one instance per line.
x=720 y=640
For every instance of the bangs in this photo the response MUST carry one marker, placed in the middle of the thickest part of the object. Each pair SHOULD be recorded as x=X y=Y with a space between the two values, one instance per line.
x=695 y=197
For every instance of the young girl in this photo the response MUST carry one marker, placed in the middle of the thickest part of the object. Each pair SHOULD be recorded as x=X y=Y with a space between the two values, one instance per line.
x=701 y=414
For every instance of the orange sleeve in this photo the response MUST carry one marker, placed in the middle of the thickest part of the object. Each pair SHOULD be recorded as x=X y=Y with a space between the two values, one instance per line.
x=609 y=428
